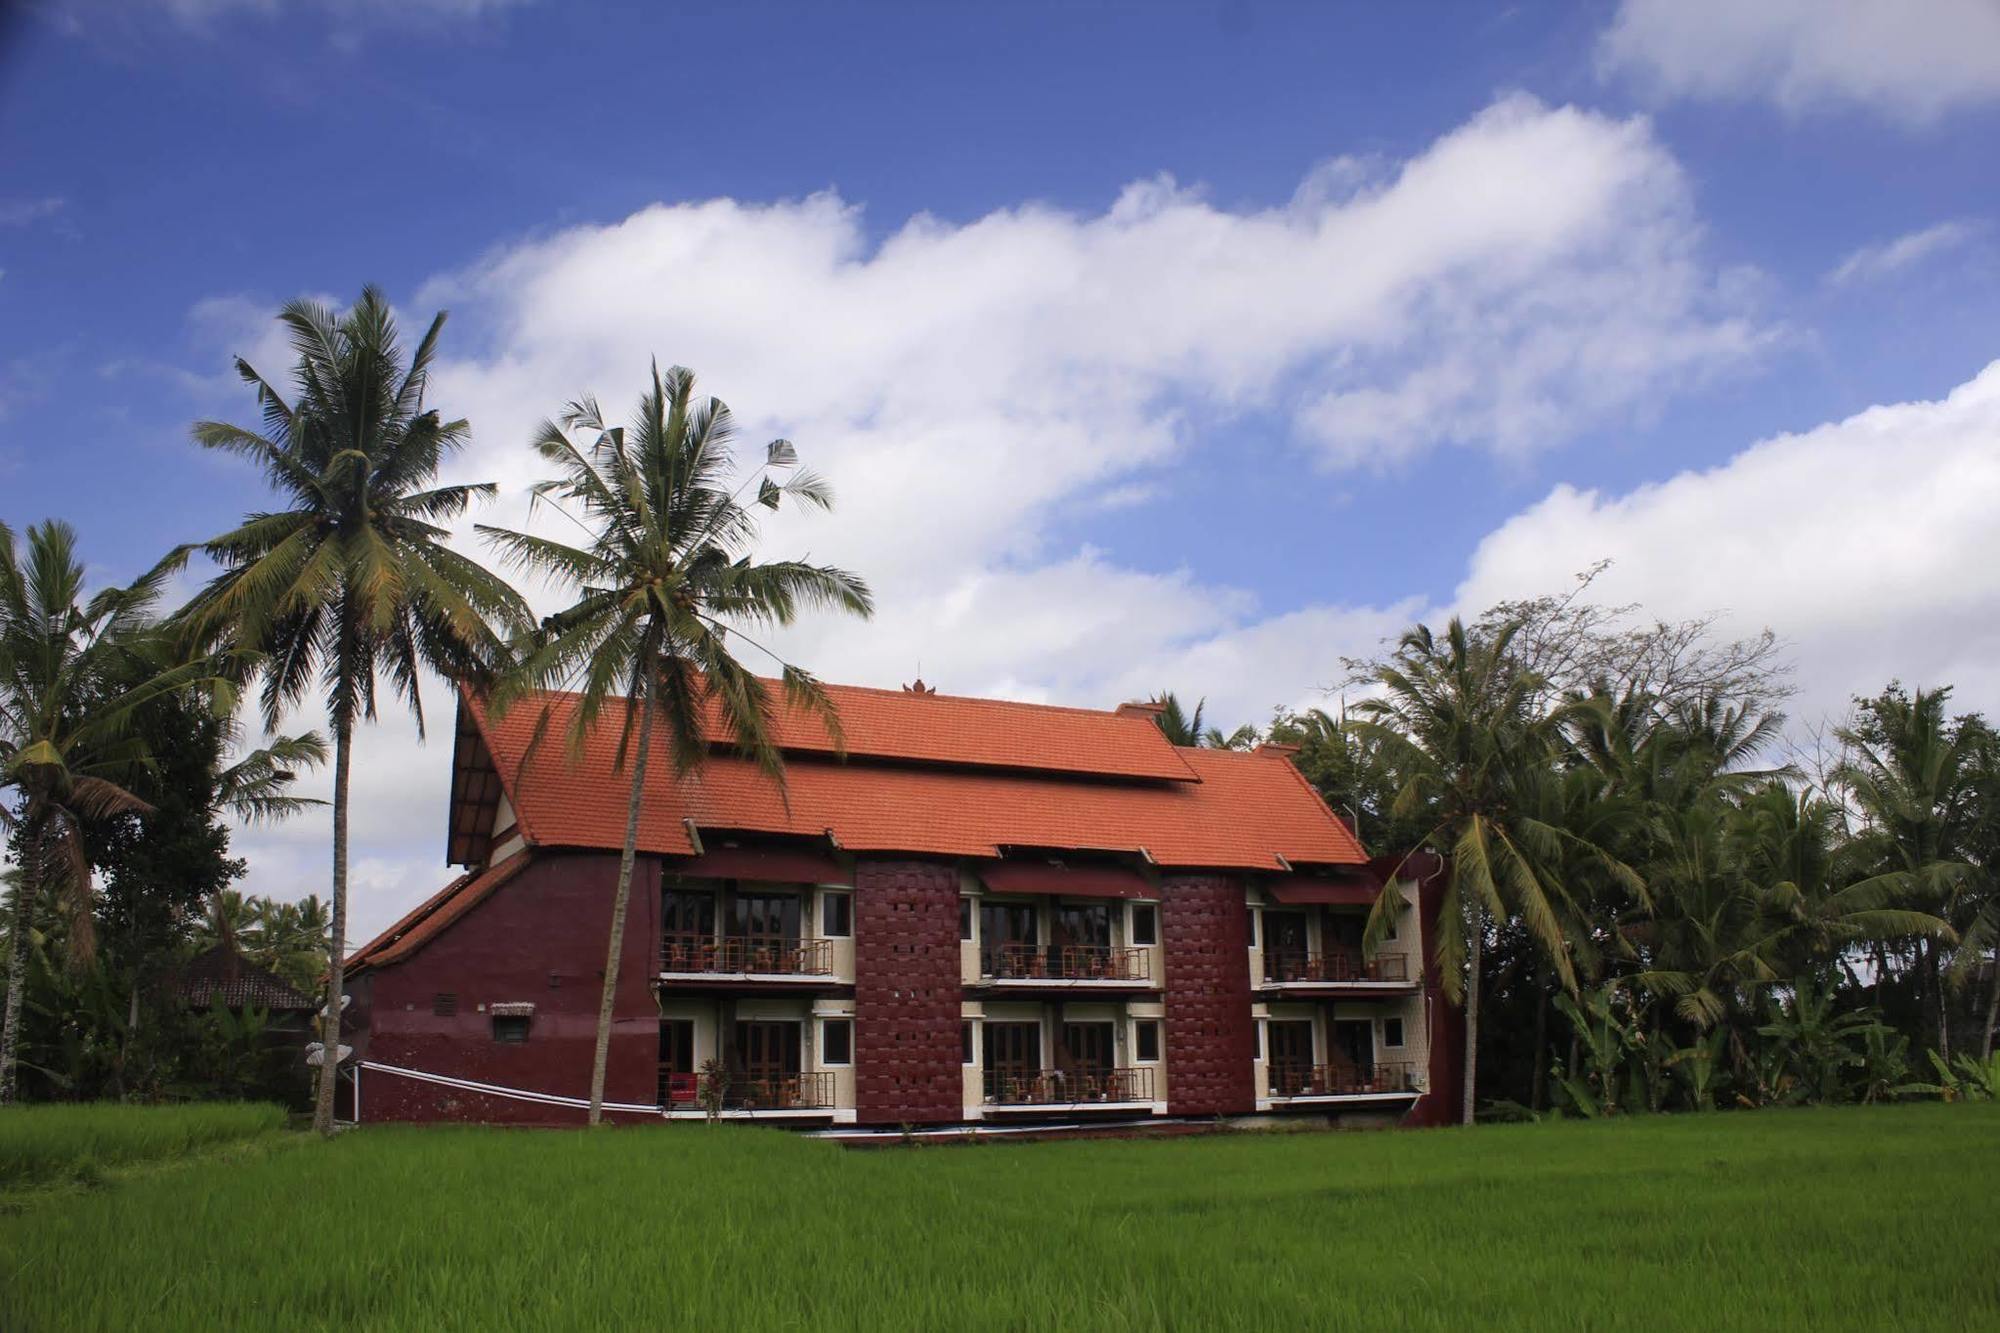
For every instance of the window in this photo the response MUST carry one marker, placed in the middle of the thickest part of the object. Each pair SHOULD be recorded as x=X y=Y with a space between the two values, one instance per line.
x=687 y=912
x=965 y=1048
x=1391 y=933
x=511 y=1029
x=1007 y=938
x=1257 y=1039
x=1392 y=1032
x=1250 y=932
x=1147 y=1040
x=965 y=918
x=836 y=917
x=444 y=1004
x=1145 y=924
x=770 y=917
x=836 y=1041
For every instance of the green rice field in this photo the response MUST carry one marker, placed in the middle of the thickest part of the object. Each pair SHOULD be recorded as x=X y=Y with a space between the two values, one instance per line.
x=1851 y=1218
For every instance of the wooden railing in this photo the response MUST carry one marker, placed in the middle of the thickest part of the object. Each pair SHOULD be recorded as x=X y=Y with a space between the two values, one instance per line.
x=1289 y=965
x=1289 y=1080
x=778 y=955
x=744 y=1092
x=1064 y=962
x=1064 y=1087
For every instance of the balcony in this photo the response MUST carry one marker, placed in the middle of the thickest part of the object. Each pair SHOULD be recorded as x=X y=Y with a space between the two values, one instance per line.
x=748 y=1094
x=1291 y=1082
x=1065 y=966
x=1335 y=968
x=1035 y=1089
x=779 y=958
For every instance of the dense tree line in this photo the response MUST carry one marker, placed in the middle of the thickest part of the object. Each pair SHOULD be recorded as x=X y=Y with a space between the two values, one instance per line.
x=1658 y=901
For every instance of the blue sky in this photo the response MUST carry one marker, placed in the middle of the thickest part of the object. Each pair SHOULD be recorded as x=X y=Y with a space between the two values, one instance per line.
x=1441 y=304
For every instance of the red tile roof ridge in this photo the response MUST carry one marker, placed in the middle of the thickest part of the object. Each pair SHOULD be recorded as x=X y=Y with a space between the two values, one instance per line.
x=962 y=730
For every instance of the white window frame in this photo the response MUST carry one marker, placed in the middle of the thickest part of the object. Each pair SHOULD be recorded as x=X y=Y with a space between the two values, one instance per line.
x=1159 y=1041
x=824 y=895
x=820 y=1053
x=1401 y=1024
x=1131 y=924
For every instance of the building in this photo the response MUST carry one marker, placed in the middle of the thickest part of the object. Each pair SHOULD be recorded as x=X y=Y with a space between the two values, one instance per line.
x=981 y=913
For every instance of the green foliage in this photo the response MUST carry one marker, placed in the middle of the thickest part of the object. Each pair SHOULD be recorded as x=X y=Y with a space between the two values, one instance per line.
x=1853 y=1218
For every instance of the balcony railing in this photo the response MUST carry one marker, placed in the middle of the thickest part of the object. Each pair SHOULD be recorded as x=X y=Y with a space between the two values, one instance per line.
x=1064 y=962
x=1289 y=1080
x=1284 y=966
x=773 y=955
x=1066 y=1087
x=748 y=1092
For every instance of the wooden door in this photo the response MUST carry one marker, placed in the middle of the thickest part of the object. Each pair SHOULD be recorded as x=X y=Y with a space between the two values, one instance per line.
x=1284 y=946
x=1013 y=1061
x=767 y=1054
x=1291 y=1055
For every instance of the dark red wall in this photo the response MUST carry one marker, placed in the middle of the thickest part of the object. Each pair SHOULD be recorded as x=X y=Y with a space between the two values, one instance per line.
x=539 y=938
x=907 y=993
x=1211 y=1043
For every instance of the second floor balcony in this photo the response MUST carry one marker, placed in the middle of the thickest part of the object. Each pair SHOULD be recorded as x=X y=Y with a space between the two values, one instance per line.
x=1030 y=965
x=1337 y=967
x=768 y=957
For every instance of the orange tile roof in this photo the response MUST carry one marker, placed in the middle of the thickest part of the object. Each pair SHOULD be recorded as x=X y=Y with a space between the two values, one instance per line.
x=1244 y=811
x=953 y=729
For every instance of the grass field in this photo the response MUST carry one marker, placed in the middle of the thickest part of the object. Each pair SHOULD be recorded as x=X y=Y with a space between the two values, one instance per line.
x=1852 y=1218
x=48 y=1145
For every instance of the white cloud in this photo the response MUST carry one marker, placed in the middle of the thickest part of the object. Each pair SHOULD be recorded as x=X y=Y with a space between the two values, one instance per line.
x=1911 y=60
x=1871 y=544
x=965 y=385
x=21 y=212
x=1889 y=257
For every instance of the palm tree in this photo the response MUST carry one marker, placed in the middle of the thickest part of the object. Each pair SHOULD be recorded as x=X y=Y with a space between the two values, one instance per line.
x=1459 y=719
x=72 y=674
x=665 y=580
x=1911 y=777
x=1183 y=728
x=352 y=579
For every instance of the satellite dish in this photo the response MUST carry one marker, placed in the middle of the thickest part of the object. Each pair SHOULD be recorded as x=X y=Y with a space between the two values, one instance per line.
x=316 y=1054
x=345 y=1000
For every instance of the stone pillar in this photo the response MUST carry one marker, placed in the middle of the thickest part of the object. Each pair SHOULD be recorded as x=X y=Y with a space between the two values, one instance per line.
x=907 y=994
x=1211 y=1045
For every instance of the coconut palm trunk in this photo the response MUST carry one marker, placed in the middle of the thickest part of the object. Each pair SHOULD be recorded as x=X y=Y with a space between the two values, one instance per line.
x=329 y=1069
x=1475 y=948
x=1992 y=1011
x=25 y=889
x=620 y=904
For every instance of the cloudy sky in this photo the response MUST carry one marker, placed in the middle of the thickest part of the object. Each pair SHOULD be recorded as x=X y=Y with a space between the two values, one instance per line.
x=1182 y=347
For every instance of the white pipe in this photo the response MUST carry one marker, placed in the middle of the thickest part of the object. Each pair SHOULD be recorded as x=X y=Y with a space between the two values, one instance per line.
x=495 y=1090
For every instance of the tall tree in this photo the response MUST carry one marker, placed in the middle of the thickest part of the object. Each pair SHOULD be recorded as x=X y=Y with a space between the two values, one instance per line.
x=1459 y=718
x=1911 y=776
x=352 y=579
x=71 y=680
x=664 y=583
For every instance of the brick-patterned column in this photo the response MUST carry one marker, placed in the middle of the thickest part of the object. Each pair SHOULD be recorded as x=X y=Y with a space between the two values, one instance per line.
x=907 y=994
x=1211 y=1045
